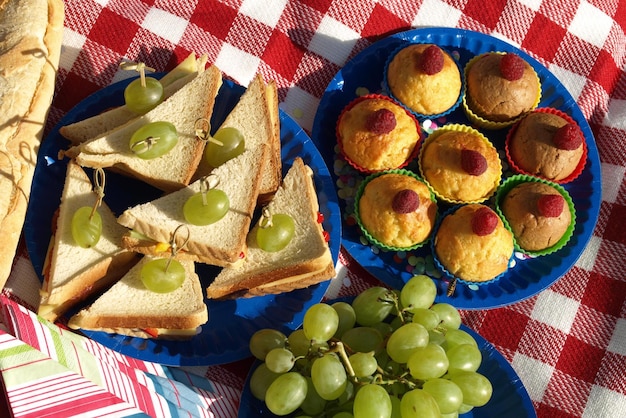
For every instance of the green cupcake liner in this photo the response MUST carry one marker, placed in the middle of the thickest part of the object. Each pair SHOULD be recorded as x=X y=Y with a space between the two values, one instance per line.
x=365 y=232
x=517 y=179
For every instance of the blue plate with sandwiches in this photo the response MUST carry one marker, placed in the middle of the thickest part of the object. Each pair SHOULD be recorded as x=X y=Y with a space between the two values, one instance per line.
x=224 y=338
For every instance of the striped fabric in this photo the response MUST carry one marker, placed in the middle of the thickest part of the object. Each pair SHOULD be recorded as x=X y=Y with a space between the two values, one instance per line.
x=50 y=371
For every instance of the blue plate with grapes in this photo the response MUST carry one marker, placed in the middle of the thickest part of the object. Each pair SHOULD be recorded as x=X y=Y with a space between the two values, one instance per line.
x=509 y=398
x=526 y=276
x=224 y=338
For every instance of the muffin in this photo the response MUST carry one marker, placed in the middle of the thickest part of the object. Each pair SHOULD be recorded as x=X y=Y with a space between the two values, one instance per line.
x=472 y=244
x=539 y=213
x=375 y=134
x=500 y=88
x=424 y=78
x=460 y=164
x=395 y=210
x=547 y=143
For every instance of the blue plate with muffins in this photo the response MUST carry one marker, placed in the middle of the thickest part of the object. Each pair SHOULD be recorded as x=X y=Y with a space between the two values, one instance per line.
x=527 y=274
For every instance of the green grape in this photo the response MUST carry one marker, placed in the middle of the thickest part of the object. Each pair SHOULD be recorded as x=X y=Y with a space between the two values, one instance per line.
x=320 y=322
x=233 y=145
x=298 y=343
x=313 y=403
x=465 y=357
x=447 y=394
x=384 y=328
x=476 y=388
x=419 y=292
x=395 y=407
x=419 y=403
x=436 y=337
x=454 y=337
x=276 y=236
x=363 y=340
x=363 y=364
x=260 y=380
x=372 y=305
x=196 y=212
x=428 y=318
x=343 y=414
x=329 y=376
x=372 y=401
x=465 y=408
x=346 y=399
x=286 y=393
x=405 y=340
x=86 y=228
x=454 y=414
x=428 y=362
x=347 y=317
x=280 y=360
x=449 y=315
x=153 y=140
x=162 y=275
x=140 y=99
x=265 y=340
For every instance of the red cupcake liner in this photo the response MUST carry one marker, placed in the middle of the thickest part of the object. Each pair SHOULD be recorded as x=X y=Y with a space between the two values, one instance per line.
x=583 y=158
x=365 y=170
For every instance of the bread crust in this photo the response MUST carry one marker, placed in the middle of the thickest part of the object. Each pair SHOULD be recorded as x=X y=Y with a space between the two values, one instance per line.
x=286 y=272
x=29 y=58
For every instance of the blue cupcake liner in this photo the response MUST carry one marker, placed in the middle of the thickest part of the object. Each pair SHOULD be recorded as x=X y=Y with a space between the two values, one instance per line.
x=446 y=273
x=421 y=116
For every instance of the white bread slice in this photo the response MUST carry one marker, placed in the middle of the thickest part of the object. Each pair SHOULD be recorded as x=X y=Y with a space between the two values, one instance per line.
x=128 y=307
x=305 y=261
x=98 y=124
x=272 y=174
x=224 y=242
x=72 y=273
x=175 y=169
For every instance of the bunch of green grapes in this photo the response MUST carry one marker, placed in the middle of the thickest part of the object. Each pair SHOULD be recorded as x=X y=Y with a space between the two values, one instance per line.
x=389 y=353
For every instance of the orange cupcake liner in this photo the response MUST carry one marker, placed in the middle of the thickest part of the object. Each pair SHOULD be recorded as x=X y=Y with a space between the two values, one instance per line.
x=583 y=158
x=463 y=128
x=481 y=121
x=357 y=166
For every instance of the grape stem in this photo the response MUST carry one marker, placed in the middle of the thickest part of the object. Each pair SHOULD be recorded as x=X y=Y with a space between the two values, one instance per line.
x=340 y=349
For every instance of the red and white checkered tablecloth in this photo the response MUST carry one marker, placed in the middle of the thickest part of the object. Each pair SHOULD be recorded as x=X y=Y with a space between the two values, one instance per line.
x=568 y=343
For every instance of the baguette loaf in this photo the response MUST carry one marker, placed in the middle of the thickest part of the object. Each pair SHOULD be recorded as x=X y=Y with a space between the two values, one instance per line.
x=30 y=46
x=97 y=125
x=221 y=243
x=175 y=169
x=305 y=261
x=71 y=273
x=128 y=307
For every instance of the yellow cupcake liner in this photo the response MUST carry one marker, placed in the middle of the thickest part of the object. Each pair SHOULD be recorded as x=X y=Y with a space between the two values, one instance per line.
x=364 y=230
x=461 y=128
x=481 y=121
x=518 y=179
